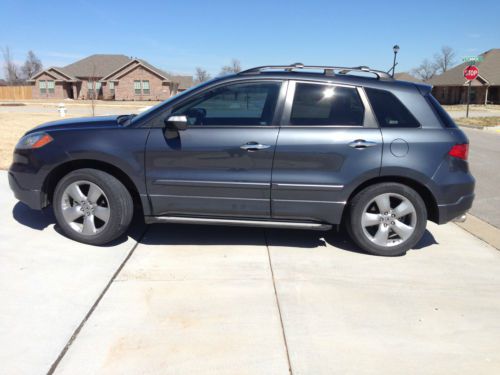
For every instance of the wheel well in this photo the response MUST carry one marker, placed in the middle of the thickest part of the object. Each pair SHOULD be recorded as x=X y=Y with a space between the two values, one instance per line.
x=423 y=191
x=60 y=171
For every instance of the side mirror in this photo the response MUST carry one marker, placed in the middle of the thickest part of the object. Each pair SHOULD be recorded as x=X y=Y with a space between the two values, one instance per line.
x=177 y=122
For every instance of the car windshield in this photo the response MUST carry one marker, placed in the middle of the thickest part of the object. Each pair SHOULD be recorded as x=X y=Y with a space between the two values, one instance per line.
x=175 y=97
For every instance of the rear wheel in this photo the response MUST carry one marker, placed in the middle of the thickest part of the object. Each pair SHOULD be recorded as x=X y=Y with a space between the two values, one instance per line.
x=92 y=206
x=387 y=219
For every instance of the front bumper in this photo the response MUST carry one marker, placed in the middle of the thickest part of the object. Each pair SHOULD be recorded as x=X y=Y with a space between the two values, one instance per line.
x=450 y=211
x=33 y=198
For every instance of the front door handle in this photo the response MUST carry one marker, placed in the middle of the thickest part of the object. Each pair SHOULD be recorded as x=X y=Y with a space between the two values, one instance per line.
x=254 y=146
x=361 y=144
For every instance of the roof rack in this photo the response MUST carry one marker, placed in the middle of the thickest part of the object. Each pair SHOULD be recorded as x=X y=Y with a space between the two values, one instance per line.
x=327 y=70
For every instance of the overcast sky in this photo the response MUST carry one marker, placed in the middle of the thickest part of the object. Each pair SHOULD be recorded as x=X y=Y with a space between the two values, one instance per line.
x=180 y=35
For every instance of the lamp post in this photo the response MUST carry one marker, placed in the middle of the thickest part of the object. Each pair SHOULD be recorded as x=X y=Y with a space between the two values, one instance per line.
x=395 y=49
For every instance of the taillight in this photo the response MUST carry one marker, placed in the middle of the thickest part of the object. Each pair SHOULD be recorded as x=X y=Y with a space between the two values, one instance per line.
x=460 y=151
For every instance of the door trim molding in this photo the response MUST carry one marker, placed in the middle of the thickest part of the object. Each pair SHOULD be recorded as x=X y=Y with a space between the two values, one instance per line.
x=286 y=186
x=228 y=184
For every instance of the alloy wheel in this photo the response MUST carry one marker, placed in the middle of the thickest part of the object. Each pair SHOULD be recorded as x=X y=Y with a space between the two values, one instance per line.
x=389 y=219
x=85 y=207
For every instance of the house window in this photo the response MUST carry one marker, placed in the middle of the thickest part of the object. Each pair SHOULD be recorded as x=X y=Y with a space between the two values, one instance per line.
x=137 y=87
x=112 y=88
x=145 y=87
x=43 y=87
x=51 y=87
x=141 y=87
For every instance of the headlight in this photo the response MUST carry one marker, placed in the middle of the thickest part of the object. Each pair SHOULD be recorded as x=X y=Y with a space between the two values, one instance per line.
x=34 y=140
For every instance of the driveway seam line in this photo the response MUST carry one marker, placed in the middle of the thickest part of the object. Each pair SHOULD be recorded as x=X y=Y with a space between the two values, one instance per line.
x=94 y=306
x=278 y=305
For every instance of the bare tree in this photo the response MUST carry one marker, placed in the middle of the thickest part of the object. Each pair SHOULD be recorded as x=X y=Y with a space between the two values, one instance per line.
x=234 y=67
x=31 y=66
x=426 y=70
x=12 y=75
x=444 y=59
x=201 y=75
x=93 y=90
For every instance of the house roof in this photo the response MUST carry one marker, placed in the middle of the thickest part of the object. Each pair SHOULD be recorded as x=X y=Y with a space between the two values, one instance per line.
x=184 y=82
x=107 y=66
x=95 y=65
x=405 y=76
x=489 y=72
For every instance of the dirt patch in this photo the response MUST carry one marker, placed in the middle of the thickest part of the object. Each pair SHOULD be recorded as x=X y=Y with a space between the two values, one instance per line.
x=13 y=126
x=479 y=121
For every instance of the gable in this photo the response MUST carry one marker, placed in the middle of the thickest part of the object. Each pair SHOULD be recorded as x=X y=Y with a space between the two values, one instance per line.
x=134 y=70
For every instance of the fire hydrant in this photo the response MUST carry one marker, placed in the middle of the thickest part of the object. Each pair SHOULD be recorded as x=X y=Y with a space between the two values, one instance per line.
x=61 y=109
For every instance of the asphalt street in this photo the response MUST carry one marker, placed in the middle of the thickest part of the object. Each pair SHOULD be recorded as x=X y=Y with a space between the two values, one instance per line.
x=484 y=157
x=171 y=299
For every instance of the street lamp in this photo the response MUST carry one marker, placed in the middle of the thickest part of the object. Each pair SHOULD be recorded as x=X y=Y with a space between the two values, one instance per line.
x=395 y=49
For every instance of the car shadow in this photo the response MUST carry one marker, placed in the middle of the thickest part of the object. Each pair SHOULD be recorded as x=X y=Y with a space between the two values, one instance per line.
x=42 y=219
x=178 y=234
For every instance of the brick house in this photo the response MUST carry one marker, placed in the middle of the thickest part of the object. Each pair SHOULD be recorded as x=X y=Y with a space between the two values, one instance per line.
x=451 y=86
x=110 y=77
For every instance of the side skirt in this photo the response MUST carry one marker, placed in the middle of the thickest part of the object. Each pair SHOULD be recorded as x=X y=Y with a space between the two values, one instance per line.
x=237 y=222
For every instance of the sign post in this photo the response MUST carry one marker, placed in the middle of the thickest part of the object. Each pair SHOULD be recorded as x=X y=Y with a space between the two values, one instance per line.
x=470 y=74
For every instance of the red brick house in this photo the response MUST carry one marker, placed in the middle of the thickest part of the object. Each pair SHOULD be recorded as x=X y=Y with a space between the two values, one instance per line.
x=451 y=86
x=111 y=77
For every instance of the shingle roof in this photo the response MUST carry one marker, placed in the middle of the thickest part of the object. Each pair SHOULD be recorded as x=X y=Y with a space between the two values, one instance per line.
x=95 y=65
x=183 y=81
x=489 y=69
x=404 y=76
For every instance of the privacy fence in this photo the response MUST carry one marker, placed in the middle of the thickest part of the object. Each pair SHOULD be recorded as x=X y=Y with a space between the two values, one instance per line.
x=15 y=92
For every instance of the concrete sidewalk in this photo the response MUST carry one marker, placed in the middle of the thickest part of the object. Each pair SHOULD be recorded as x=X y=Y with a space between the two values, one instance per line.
x=215 y=300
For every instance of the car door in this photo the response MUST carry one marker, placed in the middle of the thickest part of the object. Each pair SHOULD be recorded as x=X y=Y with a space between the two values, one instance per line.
x=221 y=164
x=328 y=144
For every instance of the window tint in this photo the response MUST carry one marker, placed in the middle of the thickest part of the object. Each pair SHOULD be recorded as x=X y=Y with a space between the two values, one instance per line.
x=390 y=112
x=240 y=104
x=441 y=113
x=326 y=105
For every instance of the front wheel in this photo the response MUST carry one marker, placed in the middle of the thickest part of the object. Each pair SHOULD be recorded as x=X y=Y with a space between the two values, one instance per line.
x=387 y=219
x=92 y=206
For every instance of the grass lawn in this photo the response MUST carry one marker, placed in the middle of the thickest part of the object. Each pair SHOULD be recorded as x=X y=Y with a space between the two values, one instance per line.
x=479 y=121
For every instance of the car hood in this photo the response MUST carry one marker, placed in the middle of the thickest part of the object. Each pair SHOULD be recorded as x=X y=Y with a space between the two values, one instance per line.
x=79 y=123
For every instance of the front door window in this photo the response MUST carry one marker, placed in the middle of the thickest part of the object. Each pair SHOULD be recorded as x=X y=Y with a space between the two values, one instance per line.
x=239 y=104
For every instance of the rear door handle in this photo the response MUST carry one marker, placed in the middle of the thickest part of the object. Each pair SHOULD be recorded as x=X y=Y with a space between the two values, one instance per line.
x=361 y=144
x=254 y=146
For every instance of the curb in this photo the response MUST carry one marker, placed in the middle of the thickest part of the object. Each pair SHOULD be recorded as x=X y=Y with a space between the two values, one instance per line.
x=482 y=230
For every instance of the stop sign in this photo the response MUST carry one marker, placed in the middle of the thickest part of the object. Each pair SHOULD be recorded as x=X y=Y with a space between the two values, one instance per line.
x=471 y=72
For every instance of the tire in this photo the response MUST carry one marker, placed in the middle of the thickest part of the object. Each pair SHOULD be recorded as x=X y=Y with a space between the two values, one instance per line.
x=97 y=211
x=386 y=230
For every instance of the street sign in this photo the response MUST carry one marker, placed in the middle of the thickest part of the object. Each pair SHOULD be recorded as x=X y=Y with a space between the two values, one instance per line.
x=473 y=59
x=471 y=72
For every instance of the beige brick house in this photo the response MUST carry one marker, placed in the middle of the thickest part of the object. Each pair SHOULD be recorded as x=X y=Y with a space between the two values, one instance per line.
x=110 y=77
x=451 y=86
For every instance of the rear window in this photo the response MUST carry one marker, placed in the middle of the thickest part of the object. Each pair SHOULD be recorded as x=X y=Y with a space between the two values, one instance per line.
x=440 y=112
x=390 y=112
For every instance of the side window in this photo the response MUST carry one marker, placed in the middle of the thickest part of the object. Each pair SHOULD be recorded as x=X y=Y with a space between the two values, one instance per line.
x=390 y=112
x=238 y=104
x=326 y=105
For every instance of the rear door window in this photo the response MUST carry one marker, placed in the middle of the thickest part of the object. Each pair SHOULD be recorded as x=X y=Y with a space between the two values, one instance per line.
x=389 y=110
x=315 y=104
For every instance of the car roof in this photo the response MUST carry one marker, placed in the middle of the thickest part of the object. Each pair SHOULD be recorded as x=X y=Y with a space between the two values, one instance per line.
x=347 y=79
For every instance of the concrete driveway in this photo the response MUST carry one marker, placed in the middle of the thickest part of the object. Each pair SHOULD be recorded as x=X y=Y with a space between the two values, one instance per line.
x=213 y=300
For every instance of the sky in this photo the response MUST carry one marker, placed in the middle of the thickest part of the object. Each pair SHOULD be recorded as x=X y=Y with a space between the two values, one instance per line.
x=179 y=36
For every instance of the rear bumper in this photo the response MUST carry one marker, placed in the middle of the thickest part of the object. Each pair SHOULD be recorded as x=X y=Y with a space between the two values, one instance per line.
x=33 y=198
x=450 y=211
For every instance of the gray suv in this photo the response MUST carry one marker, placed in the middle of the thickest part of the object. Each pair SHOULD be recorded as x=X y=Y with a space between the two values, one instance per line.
x=300 y=147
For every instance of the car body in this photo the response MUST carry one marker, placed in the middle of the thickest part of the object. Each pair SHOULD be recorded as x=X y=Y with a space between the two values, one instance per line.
x=272 y=146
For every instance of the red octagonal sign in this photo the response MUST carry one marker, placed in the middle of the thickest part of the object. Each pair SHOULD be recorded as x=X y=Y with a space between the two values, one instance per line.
x=471 y=73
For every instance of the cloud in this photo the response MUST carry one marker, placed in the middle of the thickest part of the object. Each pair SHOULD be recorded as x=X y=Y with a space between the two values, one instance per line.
x=473 y=35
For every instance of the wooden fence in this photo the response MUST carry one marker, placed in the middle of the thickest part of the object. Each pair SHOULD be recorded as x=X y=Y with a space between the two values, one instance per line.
x=15 y=92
